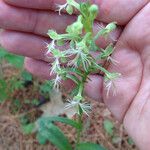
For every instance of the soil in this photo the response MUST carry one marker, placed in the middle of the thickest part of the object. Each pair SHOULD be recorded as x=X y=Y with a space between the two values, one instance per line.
x=12 y=137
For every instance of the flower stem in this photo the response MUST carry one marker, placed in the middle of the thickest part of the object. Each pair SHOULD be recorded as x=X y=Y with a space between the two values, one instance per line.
x=80 y=115
x=79 y=130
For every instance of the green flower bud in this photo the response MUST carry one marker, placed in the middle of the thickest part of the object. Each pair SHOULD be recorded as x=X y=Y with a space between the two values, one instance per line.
x=93 y=9
x=53 y=35
x=112 y=26
x=69 y=9
x=107 y=52
x=73 y=3
x=60 y=42
x=78 y=98
x=111 y=76
x=76 y=28
x=70 y=1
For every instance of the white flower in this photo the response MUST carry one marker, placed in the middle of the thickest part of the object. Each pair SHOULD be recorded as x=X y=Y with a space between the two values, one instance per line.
x=79 y=55
x=109 y=85
x=86 y=107
x=57 y=82
x=55 y=66
x=50 y=47
x=74 y=62
x=113 y=61
x=85 y=60
x=61 y=7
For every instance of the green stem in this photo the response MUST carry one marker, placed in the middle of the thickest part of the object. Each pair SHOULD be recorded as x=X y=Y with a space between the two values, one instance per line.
x=79 y=130
x=100 y=33
x=73 y=3
x=79 y=120
x=1 y=71
x=81 y=87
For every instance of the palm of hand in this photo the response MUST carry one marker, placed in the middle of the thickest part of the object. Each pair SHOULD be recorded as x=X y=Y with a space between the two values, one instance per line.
x=131 y=103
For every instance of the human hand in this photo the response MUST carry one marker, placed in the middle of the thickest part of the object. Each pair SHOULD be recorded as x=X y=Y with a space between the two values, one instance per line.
x=131 y=103
x=131 y=61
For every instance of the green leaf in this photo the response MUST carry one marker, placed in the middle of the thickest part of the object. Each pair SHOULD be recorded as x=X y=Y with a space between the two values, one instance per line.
x=15 y=84
x=2 y=53
x=109 y=127
x=26 y=76
x=65 y=121
x=3 y=91
x=130 y=141
x=49 y=132
x=15 y=60
x=35 y=102
x=107 y=52
x=41 y=139
x=46 y=87
x=28 y=129
x=89 y=146
x=74 y=70
x=73 y=78
x=17 y=103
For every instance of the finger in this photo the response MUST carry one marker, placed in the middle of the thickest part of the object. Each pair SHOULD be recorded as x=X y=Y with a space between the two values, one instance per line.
x=38 y=68
x=33 y=21
x=93 y=88
x=24 y=44
x=28 y=45
x=110 y=10
x=34 y=46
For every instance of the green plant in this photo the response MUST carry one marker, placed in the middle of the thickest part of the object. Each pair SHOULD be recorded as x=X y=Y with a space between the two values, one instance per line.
x=109 y=127
x=76 y=63
x=3 y=89
x=16 y=61
x=26 y=76
x=8 y=86
x=46 y=89
x=33 y=102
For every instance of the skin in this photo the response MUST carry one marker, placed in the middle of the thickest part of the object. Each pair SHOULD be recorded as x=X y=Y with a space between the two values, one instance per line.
x=131 y=103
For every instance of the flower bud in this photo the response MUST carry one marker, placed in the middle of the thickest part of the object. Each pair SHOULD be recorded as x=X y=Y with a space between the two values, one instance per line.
x=69 y=9
x=78 y=98
x=53 y=35
x=93 y=9
x=76 y=27
x=112 y=26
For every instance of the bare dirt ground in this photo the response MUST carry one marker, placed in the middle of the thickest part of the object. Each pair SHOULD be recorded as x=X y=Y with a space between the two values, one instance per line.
x=12 y=138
